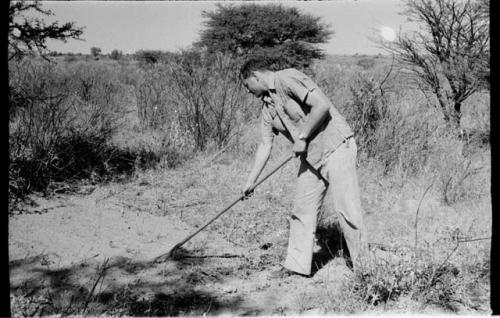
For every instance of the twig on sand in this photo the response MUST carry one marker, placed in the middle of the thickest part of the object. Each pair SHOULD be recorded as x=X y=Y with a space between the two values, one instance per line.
x=383 y=247
x=208 y=309
x=418 y=210
x=91 y=295
x=214 y=256
x=436 y=270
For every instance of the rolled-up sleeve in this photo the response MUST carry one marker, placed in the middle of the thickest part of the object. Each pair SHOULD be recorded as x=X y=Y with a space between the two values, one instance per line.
x=294 y=84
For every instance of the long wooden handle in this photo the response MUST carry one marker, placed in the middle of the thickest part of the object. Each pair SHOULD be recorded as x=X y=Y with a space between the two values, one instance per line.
x=241 y=197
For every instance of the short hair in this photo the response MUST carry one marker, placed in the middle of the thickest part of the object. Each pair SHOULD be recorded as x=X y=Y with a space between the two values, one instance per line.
x=254 y=64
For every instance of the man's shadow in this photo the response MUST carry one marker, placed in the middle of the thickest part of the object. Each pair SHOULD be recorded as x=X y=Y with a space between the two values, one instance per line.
x=332 y=245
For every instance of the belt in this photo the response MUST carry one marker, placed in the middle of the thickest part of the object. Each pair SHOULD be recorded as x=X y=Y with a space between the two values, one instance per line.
x=332 y=150
x=316 y=169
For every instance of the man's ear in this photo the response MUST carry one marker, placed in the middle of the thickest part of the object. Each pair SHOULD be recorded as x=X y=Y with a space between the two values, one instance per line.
x=256 y=74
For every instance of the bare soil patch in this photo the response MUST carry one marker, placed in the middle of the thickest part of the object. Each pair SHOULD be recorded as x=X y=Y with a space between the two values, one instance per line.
x=92 y=254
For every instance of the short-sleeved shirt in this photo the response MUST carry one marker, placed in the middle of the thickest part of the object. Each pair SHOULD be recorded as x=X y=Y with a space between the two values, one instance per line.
x=290 y=92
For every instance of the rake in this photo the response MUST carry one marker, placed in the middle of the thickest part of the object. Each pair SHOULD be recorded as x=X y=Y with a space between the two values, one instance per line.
x=170 y=253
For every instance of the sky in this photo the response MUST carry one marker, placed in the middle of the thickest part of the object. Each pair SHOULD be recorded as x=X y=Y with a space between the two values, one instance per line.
x=130 y=26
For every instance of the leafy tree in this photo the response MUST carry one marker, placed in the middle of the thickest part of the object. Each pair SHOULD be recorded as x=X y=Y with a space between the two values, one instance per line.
x=271 y=30
x=95 y=51
x=449 y=53
x=29 y=34
x=116 y=54
x=150 y=57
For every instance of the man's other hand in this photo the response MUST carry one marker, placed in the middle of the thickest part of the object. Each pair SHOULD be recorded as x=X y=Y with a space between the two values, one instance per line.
x=247 y=189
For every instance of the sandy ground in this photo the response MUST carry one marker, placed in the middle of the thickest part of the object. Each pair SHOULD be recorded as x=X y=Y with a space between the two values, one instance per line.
x=60 y=248
x=91 y=253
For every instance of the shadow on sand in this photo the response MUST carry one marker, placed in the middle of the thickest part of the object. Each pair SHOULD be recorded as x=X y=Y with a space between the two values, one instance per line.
x=117 y=286
x=332 y=244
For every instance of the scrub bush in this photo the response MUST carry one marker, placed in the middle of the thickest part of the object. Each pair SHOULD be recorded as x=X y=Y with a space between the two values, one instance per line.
x=60 y=121
x=199 y=91
x=414 y=274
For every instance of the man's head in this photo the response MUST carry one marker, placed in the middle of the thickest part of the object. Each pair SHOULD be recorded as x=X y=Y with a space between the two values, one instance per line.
x=253 y=74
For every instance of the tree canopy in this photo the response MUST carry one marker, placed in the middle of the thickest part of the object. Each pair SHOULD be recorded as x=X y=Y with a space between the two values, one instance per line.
x=271 y=30
x=29 y=34
x=95 y=51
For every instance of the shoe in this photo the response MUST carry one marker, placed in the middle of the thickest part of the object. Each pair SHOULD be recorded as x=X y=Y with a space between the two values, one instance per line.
x=283 y=273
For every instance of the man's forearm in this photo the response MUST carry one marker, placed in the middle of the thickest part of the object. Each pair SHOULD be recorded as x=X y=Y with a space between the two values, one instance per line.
x=261 y=157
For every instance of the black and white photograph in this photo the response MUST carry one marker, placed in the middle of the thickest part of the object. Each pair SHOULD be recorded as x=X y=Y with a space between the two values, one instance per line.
x=249 y=158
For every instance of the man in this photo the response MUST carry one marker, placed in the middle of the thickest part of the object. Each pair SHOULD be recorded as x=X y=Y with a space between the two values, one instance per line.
x=295 y=106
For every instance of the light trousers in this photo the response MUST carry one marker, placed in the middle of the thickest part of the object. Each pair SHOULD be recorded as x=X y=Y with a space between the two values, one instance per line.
x=339 y=170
